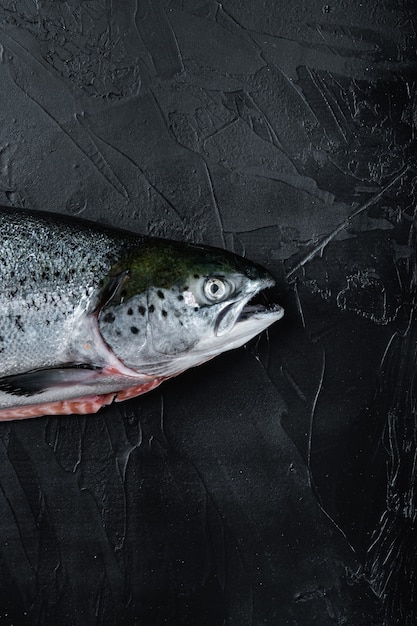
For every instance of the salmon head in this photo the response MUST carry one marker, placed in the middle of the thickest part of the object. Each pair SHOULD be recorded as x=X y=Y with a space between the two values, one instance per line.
x=179 y=305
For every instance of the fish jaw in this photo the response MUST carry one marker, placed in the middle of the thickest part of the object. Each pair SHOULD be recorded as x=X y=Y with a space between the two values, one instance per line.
x=248 y=322
x=235 y=312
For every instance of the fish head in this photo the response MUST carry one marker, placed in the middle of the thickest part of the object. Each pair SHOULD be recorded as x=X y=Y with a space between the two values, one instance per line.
x=182 y=305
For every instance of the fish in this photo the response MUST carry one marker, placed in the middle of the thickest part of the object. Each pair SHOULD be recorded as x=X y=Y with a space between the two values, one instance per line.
x=91 y=314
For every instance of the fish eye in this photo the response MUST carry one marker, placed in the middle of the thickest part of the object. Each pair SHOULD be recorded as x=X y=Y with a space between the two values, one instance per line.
x=216 y=289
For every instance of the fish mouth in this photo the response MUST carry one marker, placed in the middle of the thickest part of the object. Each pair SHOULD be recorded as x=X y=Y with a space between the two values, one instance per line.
x=255 y=308
x=259 y=309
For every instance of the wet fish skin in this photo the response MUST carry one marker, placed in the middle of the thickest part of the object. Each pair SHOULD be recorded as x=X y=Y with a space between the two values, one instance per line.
x=90 y=314
x=48 y=266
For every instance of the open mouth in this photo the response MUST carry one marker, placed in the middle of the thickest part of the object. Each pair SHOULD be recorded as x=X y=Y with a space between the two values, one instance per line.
x=257 y=307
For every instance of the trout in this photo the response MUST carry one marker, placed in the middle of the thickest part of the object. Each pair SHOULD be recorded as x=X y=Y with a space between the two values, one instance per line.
x=91 y=314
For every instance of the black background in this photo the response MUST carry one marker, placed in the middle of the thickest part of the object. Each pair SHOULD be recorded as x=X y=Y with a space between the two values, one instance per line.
x=275 y=485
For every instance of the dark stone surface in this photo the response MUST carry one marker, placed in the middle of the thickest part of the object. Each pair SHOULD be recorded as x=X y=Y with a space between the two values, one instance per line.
x=276 y=484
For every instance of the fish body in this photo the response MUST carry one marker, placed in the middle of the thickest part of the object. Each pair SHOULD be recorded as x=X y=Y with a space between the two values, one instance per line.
x=90 y=314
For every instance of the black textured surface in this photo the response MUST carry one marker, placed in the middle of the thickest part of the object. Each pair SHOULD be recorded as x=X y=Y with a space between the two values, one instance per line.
x=275 y=485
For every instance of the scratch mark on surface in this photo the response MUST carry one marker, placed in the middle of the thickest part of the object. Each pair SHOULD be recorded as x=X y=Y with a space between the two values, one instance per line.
x=96 y=159
x=101 y=164
x=276 y=142
x=270 y=63
x=161 y=43
x=215 y=205
x=162 y=421
x=330 y=101
x=323 y=333
x=298 y=182
x=293 y=86
x=222 y=128
x=332 y=50
x=293 y=384
x=318 y=249
x=313 y=411
x=25 y=51
x=14 y=514
x=384 y=356
x=299 y=305
x=133 y=162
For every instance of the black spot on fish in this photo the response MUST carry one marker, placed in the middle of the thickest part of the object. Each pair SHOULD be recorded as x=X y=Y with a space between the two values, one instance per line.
x=19 y=323
x=141 y=309
x=118 y=333
x=57 y=273
x=134 y=330
x=196 y=276
x=185 y=288
x=130 y=311
x=109 y=318
x=151 y=309
x=180 y=297
x=164 y=313
x=161 y=295
x=196 y=308
x=12 y=274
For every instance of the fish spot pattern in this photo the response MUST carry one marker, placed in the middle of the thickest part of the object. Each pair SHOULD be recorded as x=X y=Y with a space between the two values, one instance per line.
x=50 y=274
x=126 y=333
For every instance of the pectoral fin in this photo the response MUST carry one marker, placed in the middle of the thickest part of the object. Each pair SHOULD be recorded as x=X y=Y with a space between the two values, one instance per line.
x=37 y=381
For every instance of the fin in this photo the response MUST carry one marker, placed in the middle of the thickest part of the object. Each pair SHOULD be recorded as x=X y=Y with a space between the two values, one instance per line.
x=79 y=406
x=35 y=382
x=138 y=390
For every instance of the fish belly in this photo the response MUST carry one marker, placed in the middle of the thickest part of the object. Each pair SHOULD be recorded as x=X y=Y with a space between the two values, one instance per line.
x=81 y=405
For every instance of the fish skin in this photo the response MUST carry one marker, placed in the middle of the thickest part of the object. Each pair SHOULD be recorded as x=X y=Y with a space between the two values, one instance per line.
x=90 y=314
